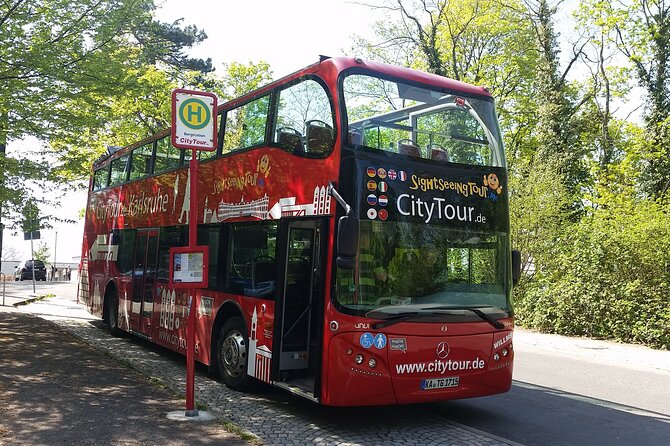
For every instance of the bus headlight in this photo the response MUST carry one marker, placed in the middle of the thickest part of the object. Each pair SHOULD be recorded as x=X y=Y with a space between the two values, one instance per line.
x=359 y=359
x=372 y=363
x=496 y=357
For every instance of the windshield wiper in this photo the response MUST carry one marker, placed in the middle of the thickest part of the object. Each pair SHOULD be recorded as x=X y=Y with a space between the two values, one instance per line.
x=496 y=323
x=392 y=320
x=433 y=311
x=477 y=310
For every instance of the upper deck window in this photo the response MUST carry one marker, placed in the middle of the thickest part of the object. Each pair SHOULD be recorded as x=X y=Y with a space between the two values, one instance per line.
x=245 y=125
x=167 y=156
x=304 y=124
x=140 y=162
x=421 y=122
x=119 y=171
x=101 y=178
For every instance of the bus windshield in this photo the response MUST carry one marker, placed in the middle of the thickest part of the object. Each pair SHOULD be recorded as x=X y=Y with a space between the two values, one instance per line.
x=421 y=122
x=434 y=229
x=406 y=264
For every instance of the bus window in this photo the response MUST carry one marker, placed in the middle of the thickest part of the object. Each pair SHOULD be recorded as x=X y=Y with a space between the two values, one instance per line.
x=140 y=161
x=429 y=123
x=245 y=125
x=170 y=236
x=101 y=178
x=251 y=266
x=304 y=119
x=119 y=173
x=186 y=157
x=126 y=246
x=210 y=235
x=167 y=156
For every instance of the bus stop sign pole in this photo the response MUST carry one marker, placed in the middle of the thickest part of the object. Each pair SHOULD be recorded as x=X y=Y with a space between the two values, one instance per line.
x=190 y=327
x=193 y=127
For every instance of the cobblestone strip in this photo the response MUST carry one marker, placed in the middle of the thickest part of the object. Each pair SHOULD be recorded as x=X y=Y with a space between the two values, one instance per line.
x=277 y=418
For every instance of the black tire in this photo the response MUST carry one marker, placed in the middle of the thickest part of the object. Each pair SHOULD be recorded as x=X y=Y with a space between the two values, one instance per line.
x=112 y=303
x=232 y=354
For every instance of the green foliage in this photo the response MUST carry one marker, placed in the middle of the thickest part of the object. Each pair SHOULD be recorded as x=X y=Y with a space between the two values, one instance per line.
x=239 y=79
x=79 y=76
x=610 y=280
x=42 y=253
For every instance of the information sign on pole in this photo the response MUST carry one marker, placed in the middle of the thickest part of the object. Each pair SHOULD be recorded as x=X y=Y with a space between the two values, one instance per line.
x=189 y=267
x=194 y=120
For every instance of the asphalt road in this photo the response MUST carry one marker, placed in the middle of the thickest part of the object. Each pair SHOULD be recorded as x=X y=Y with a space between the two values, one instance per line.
x=533 y=414
x=12 y=292
x=577 y=392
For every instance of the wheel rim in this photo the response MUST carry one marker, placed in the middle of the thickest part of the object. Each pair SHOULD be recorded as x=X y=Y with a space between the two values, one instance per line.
x=113 y=316
x=234 y=354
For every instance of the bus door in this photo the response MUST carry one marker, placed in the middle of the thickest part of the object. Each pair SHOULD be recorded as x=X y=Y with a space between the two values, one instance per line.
x=144 y=279
x=299 y=308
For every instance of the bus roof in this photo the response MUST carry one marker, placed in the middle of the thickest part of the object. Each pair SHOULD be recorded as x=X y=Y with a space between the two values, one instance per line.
x=338 y=64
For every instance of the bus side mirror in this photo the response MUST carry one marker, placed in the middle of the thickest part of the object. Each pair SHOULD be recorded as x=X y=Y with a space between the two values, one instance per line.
x=347 y=242
x=516 y=266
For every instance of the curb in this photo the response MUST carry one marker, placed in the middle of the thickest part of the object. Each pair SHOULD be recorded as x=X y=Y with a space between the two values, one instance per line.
x=33 y=299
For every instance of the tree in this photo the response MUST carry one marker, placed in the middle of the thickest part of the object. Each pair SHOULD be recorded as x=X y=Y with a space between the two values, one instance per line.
x=42 y=252
x=10 y=253
x=643 y=36
x=556 y=105
x=239 y=79
x=65 y=69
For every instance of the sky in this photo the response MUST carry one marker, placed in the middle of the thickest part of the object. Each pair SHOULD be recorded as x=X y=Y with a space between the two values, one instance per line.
x=288 y=34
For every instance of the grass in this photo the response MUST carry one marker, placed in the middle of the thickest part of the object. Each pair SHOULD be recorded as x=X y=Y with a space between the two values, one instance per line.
x=244 y=435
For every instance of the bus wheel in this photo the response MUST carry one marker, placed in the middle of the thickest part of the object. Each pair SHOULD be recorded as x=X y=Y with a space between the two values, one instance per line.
x=113 y=313
x=231 y=355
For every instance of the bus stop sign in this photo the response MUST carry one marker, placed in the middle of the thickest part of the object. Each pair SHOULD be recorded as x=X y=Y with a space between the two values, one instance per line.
x=193 y=120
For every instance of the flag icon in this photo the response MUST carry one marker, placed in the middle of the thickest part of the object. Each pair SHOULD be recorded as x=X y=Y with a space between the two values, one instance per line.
x=372 y=172
x=383 y=214
x=372 y=199
x=382 y=186
x=372 y=214
x=392 y=175
x=372 y=185
x=383 y=200
x=381 y=173
x=402 y=176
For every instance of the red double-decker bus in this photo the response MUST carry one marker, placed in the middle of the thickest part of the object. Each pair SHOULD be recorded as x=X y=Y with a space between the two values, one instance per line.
x=357 y=221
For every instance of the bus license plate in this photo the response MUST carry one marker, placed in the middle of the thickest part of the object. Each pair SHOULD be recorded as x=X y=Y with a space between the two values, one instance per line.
x=439 y=383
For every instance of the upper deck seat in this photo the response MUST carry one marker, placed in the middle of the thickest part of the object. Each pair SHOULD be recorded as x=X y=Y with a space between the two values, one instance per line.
x=438 y=153
x=289 y=139
x=409 y=148
x=319 y=137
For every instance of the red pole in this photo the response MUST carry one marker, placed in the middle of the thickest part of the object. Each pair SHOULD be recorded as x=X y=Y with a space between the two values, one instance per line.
x=190 y=328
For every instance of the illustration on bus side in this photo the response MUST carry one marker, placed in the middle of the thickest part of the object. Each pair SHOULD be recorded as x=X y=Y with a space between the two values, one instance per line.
x=260 y=355
x=233 y=194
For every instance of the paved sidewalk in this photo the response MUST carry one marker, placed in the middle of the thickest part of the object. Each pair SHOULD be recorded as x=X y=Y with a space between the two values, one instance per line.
x=595 y=350
x=54 y=390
